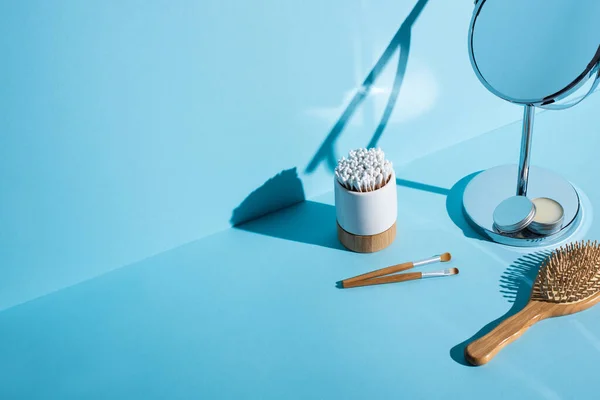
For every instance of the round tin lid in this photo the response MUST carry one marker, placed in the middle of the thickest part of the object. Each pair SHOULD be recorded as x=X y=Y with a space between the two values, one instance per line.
x=514 y=214
x=548 y=218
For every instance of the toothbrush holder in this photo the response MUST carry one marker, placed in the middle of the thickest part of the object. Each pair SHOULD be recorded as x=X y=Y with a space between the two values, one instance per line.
x=366 y=221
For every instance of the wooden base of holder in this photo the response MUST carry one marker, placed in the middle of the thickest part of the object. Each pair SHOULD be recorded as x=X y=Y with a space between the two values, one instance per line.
x=366 y=244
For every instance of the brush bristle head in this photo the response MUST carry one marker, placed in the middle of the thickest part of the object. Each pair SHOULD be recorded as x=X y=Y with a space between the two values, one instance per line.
x=570 y=274
x=453 y=271
x=445 y=257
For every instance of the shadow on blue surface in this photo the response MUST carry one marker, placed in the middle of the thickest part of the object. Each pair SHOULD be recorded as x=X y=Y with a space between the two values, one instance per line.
x=515 y=286
x=308 y=222
x=422 y=186
x=282 y=190
x=454 y=206
x=278 y=209
x=401 y=42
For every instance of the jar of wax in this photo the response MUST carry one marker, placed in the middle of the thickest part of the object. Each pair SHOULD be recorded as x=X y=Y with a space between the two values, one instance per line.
x=514 y=214
x=548 y=217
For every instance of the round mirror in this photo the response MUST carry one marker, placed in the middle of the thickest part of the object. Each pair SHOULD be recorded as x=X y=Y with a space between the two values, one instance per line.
x=535 y=52
x=538 y=53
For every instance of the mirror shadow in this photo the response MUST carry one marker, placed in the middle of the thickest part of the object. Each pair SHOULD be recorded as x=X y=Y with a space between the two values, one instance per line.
x=279 y=209
x=400 y=42
x=454 y=206
x=515 y=286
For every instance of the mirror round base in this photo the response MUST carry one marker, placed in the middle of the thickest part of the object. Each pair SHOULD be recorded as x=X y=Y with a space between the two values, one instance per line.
x=489 y=188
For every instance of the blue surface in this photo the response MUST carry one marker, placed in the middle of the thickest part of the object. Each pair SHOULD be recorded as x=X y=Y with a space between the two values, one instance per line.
x=253 y=312
x=130 y=127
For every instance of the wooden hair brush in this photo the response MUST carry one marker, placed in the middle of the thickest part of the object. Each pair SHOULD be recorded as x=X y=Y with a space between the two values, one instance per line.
x=568 y=282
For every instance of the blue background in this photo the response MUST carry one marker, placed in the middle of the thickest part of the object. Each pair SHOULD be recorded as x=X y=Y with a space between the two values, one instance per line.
x=134 y=134
x=254 y=312
x=133 y=127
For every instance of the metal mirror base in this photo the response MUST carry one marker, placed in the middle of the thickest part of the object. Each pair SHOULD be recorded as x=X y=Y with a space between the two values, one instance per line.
x=487 y=189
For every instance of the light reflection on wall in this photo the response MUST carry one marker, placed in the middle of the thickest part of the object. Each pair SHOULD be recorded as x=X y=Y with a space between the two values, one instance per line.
x=418 y=96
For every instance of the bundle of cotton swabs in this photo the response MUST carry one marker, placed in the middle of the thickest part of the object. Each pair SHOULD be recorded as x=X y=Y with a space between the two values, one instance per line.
x=364 y=170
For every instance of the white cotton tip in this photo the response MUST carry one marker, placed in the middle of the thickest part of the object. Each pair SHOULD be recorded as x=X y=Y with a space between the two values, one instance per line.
x=364 y=170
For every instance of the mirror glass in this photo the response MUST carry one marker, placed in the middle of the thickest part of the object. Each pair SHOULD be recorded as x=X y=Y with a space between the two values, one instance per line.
x=535 y=51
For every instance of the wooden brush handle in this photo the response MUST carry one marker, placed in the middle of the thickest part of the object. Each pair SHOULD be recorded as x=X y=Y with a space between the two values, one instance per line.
x=385 y=279
x=379 y=272
x=485 y=348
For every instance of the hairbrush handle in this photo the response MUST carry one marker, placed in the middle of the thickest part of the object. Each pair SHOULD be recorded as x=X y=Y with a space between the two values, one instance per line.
x=485 y=348
x=385 y=279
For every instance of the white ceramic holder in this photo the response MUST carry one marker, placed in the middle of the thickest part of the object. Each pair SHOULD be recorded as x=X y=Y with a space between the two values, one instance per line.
x=366 y=221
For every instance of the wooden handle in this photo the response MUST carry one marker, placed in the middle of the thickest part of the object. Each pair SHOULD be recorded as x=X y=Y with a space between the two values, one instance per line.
x=379 y=272
x=485 y=348
x=386 y=279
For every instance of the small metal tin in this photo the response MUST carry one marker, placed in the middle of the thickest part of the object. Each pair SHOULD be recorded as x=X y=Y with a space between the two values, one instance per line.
x=549 y=218
x=514 y=214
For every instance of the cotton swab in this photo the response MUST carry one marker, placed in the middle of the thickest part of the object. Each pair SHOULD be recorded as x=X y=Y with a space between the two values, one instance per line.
x=364 y=170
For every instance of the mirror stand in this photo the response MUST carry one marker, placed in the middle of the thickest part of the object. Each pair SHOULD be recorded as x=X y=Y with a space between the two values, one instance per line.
x=489 y=188
x=523 y=177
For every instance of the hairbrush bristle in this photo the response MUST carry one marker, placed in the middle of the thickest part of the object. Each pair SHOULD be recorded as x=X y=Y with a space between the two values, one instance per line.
x=570 y=274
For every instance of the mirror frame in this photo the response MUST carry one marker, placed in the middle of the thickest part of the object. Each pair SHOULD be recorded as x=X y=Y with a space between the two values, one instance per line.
x=593 y=68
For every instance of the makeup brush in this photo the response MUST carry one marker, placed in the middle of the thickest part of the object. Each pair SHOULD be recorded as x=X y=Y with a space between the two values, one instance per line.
x=568 y=282
x=395 y=268
x=401 y=277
